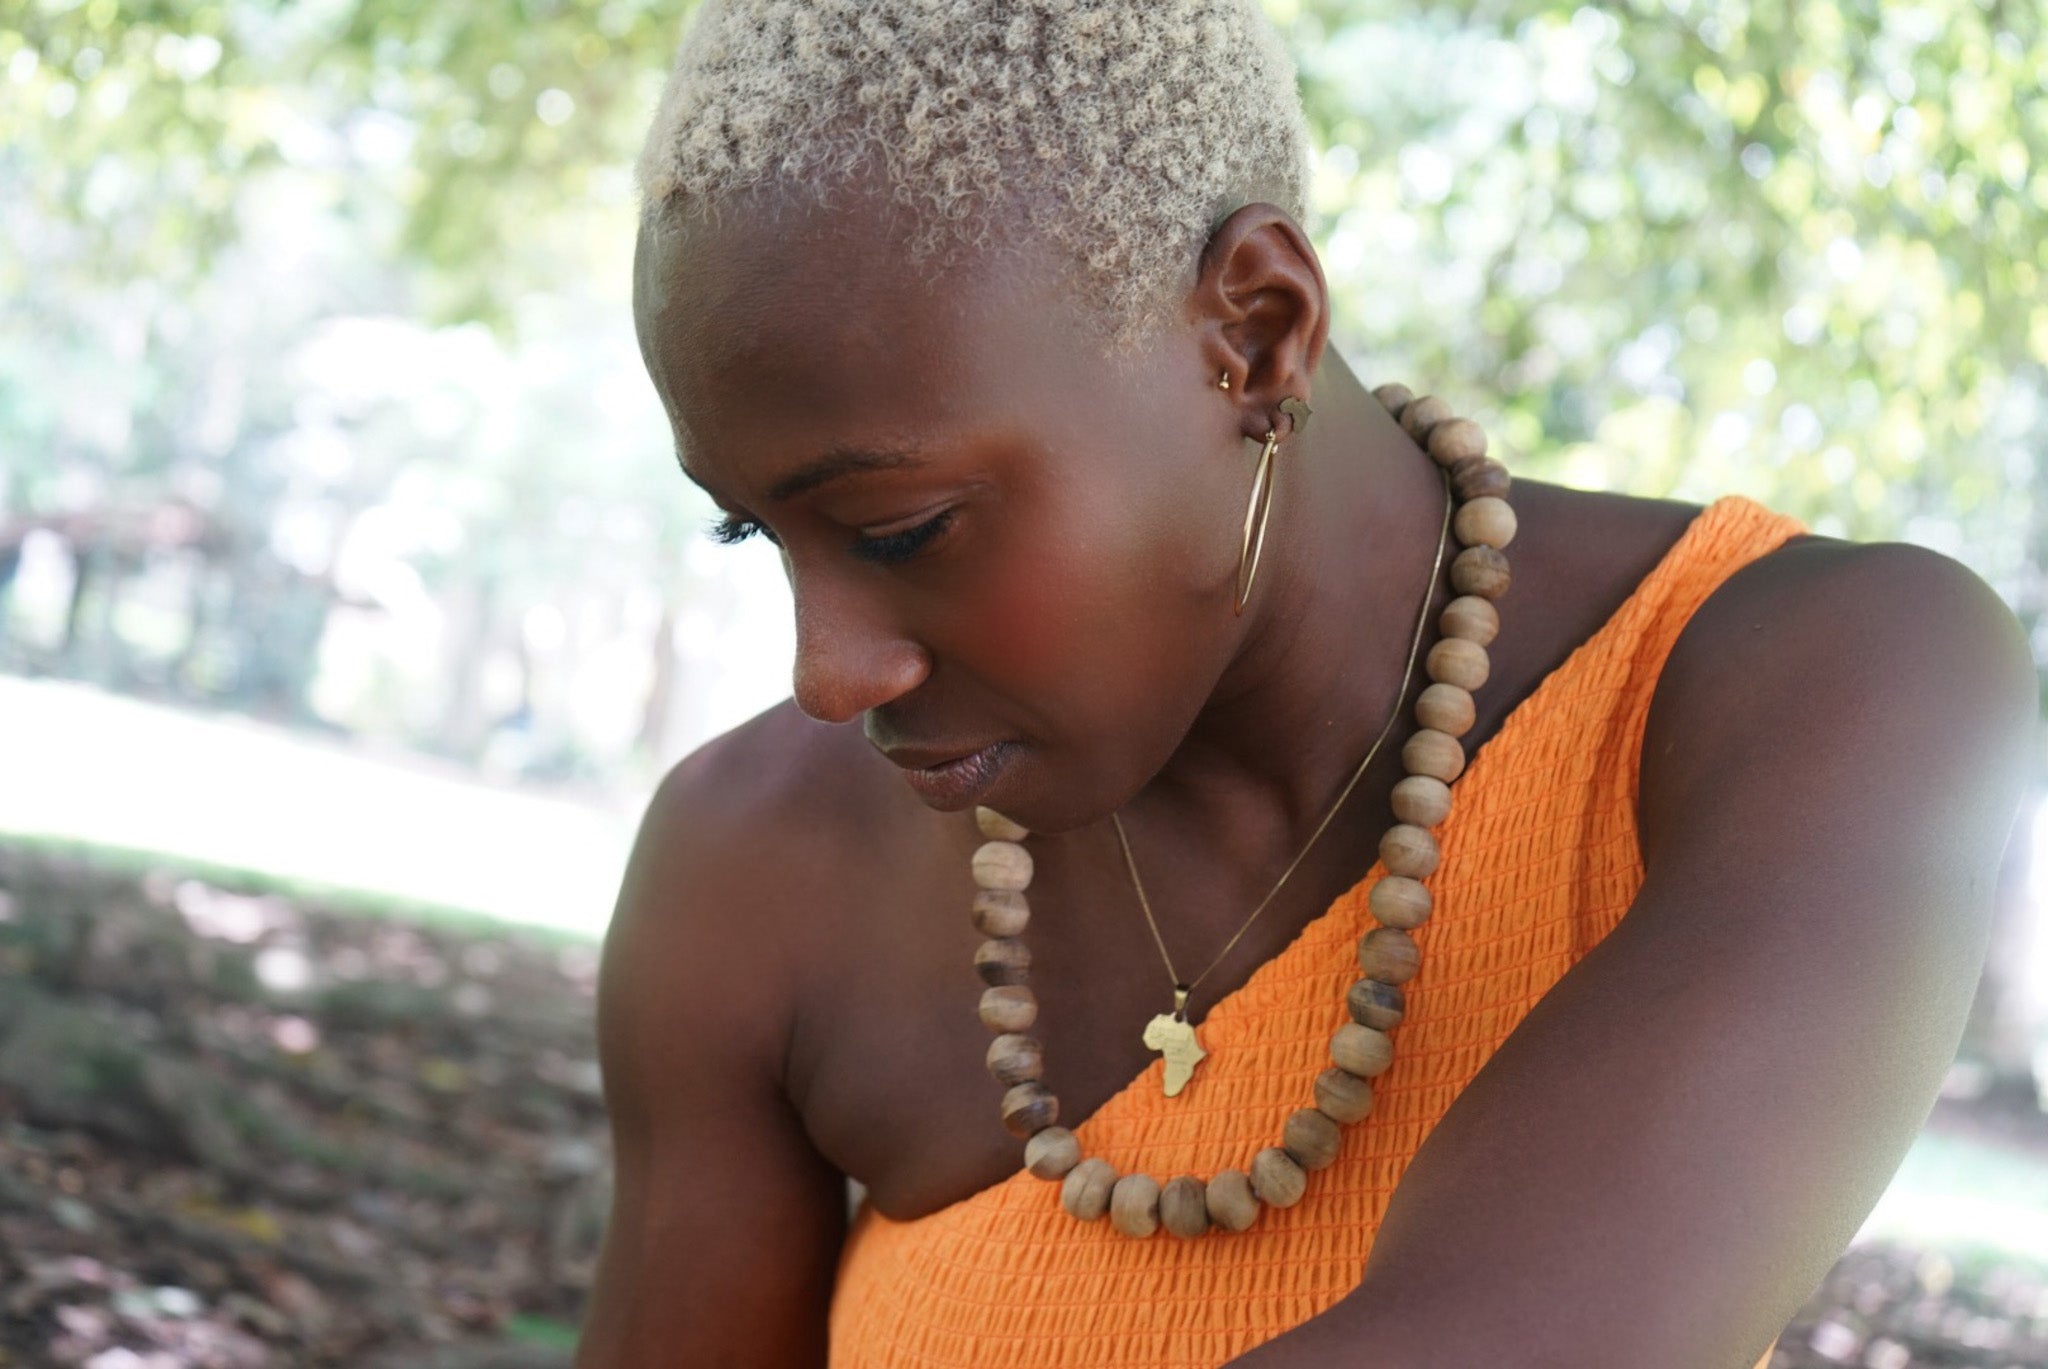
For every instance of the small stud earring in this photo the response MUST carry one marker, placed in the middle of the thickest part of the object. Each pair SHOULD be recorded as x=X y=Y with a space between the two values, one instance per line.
x=1224 y=383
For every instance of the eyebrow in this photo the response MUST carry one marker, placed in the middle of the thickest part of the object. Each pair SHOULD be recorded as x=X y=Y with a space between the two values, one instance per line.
x=837 y=463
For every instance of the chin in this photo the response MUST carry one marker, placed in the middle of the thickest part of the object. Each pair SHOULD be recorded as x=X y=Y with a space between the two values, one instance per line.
x=1035 y=795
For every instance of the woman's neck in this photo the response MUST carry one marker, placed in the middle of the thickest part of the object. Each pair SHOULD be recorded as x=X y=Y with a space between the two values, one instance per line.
x=1357 y=513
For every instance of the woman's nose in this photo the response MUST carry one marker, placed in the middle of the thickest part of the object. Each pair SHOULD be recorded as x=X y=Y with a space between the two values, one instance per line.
x=850 y=657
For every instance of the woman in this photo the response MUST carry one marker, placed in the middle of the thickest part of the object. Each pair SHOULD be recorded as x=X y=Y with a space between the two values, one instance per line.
x=999 y=321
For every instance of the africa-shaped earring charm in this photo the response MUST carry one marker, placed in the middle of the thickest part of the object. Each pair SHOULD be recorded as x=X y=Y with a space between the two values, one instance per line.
x=1172 y=1034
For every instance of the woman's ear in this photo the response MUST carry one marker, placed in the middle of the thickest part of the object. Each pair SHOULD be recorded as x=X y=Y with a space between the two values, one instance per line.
x=1263 y=308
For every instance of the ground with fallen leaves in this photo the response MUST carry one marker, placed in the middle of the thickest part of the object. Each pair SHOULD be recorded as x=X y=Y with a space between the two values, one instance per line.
x=240 y=1130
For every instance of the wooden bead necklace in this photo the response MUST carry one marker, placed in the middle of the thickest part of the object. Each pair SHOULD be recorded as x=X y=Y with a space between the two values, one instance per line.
x=1362 y=1049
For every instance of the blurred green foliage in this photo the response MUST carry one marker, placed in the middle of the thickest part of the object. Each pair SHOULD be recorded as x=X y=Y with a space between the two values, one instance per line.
x=1675 y=248
x=476 y=131
x=1687 y=247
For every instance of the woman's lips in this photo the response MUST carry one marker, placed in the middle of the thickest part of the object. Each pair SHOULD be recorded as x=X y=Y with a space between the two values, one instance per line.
x=956 y=784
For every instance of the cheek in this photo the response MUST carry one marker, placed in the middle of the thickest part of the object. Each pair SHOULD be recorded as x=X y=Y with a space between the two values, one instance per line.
x=1103 y=624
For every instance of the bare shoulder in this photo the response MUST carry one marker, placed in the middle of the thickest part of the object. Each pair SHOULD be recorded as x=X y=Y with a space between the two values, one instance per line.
x=778 y=802
x=1899 y=619
x=1845 y=665
x=1867 y=584
x=760 y=821
x=775 y=769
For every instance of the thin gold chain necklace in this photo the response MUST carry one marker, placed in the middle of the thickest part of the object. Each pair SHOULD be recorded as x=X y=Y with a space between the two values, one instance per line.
x=1170 y=1032
x=1399 y=902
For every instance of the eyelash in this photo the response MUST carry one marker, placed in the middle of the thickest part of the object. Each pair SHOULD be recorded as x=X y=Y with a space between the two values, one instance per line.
x=732 y=529
x=896 y=547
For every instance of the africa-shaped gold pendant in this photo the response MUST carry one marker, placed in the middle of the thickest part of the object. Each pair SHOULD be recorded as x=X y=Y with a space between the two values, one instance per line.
x=1172 y=1034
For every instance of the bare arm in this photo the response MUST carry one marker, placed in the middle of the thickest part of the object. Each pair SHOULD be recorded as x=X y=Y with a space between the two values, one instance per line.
x=726 y=1224
x=1663 y=1160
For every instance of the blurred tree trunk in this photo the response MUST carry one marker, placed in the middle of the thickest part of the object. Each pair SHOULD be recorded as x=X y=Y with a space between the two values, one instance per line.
x=10 y=566
x=85 y=574
x=200 y=612
x=2004 y=1023
x=472 y=627
x=657 y=717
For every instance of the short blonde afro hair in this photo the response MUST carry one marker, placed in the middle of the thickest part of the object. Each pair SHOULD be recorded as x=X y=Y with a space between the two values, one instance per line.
x=1121 y=132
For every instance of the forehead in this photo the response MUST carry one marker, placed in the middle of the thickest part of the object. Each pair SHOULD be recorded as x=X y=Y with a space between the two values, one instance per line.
x=780 y=322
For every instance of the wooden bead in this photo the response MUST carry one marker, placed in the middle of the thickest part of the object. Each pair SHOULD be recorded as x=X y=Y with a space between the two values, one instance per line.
x=996 y=827
x=1480 y=477
x=1393 y=397
x=1361 y=1050
x=1472 y=618
x=1184 y=1207
x=1389 y=955
x=1423 y=800
x=1455 y=440
x=1455 y=661
x=1419 y=416
x=1433 y=753
x=1399 y=902
x=1343 y=1096
x=1001 y=912
x=1002 y=960
x=1084 y=1193
x=1311 y=1139
x=1476 y=570
x=1277 y=1179
x=1446 y=708
x=1015 y=1059
x=1134 y=1205
x=1376 y=1005
x=1485 y=522
x=1052 y=1153
x=1409 y=851
x=1002 y=865
x=1008 y=1008
x=1028 y=1108
x=1232 y=1204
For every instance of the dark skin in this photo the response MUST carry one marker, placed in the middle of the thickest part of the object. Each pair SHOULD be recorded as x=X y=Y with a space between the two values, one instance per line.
x=1832 y=763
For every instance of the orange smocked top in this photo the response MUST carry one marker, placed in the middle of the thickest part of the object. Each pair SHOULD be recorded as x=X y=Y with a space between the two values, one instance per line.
x=1540 y=861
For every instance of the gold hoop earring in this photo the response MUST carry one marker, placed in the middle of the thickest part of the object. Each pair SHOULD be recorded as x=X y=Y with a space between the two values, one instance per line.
x=1255 y=516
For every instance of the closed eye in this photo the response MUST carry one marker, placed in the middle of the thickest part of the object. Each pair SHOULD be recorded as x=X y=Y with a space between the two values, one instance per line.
x=897 y=546
x=901 y=546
